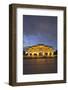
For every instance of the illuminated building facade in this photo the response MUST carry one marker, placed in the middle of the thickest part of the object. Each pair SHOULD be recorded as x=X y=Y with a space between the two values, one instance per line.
x=40 y=51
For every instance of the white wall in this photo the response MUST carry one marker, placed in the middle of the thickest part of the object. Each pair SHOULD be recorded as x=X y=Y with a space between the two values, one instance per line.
x=4 y=44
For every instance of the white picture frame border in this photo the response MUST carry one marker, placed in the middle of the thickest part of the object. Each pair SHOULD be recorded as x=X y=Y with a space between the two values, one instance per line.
x=60 y=30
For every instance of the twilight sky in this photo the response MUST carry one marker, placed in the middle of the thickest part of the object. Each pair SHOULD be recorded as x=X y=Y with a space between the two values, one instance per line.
x=40 y=30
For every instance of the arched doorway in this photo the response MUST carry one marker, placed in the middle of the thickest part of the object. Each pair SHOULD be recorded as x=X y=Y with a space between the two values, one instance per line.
x=40 y=54
x=46 y=54
x=50 y=54
x=35 y=54
x=30 y=54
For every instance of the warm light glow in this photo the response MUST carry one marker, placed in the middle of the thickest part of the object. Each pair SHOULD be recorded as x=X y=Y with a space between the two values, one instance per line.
x=40 y=51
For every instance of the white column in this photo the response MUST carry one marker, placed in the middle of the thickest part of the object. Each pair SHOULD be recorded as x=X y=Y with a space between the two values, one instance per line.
x=48 y=53
x=52 y=54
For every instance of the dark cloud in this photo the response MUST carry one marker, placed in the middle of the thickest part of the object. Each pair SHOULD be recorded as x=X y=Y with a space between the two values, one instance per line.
x=40 y=29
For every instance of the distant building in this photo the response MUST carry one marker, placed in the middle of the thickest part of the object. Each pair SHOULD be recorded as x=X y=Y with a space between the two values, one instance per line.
x=40 y=50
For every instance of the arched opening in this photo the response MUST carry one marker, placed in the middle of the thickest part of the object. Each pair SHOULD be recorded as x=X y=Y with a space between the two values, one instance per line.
x=35 y=54
x=50 y=54
x=46 y=54
x=30 y=54
x=40 y=54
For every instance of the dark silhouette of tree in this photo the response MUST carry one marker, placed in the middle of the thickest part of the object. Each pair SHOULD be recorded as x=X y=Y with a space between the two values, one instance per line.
x=55 y=53
x=23 y=52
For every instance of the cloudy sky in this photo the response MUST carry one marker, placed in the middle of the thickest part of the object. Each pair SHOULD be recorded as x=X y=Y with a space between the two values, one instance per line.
x=40 y=30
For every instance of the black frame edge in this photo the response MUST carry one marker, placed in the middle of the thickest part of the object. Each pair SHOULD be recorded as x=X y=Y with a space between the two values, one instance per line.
x=65 y=44
x=12 y=50
x=10 y=45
